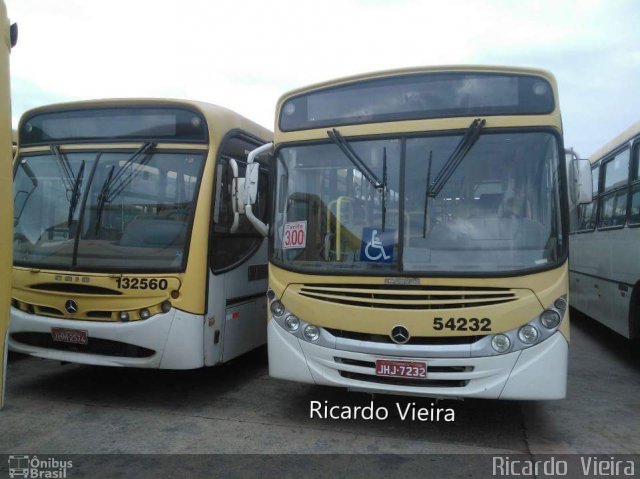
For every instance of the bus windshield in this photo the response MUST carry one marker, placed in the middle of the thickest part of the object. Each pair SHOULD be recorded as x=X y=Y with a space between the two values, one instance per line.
x=498 y=210
x=105 y=210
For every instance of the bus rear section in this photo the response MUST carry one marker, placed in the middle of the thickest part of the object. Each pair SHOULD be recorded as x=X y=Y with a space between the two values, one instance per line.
x=418 y=239
x=114 y=236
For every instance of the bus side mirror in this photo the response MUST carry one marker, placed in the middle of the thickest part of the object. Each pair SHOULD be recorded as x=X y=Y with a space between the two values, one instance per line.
x=13 y=34
x=581 y=186
x=237 y=188
x=250 y=193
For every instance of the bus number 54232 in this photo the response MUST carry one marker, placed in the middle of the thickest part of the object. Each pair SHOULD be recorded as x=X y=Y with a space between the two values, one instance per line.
x=462 y=324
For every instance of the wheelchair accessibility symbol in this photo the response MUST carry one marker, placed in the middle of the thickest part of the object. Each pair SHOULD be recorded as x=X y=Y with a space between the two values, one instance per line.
x=377 y=246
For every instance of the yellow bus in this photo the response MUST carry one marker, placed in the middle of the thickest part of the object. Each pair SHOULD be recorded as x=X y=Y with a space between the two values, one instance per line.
x=418 y=234
x=9 y=38
x=128 y=250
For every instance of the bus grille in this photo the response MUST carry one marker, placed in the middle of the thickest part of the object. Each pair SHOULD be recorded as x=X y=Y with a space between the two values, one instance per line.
x=103 y=347
x=408 y=297
x=417 y=340
x=425 y=383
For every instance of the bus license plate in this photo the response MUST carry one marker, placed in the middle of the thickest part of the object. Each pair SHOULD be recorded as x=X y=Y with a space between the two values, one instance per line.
x=401 y=369
x=73 y=336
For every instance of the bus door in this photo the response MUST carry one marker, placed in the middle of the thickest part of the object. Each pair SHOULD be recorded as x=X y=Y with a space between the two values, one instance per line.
x=236 y=306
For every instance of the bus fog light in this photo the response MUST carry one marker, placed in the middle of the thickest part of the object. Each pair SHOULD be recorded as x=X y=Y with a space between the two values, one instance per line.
x=501 y=343
x=123 y=316
x=291 y=322
x=550 y=319
x=311 y=332
x=277 y=308
x=144 y=313
x=165 y=306
x=528 y=334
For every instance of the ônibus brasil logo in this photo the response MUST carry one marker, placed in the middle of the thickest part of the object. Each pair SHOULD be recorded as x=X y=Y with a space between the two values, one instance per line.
x=33 y=467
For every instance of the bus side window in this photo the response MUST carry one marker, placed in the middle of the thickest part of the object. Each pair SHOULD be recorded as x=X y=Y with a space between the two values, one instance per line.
x=230 y=249
x=613 y=199
x=634 y=211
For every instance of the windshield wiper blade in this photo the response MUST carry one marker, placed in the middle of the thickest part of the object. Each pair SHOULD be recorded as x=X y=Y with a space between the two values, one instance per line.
x=466 y=143
x=66 y=172
x=110 y=189
x=114 y=189
x=384 y=187
x=75 y=195
x=426 y=196
x=102 y=198
x=360 y=165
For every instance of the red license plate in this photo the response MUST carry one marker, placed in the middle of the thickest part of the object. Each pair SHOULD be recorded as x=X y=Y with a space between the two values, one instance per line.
x=401 y=369
x=73 y=336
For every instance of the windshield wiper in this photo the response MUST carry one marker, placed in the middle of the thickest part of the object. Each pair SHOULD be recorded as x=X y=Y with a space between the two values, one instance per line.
x=362 y=167
x=457 y=155
x=75 y=195
x=426 y=196
x=114 y=185
x=384 y=187
x=70 y=180
x=66 y=172
x=466 y=143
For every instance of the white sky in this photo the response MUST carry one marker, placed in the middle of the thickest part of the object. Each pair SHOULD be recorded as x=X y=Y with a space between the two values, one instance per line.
x=245 y=54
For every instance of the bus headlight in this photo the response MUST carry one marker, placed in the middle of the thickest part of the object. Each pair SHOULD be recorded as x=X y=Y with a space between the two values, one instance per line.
x=311 y=332
x=550 y=318
x=501 y=343
x=277 y=308
x=291 y=322
x=560 y=303
x=123 y=316
x=166 y=306
x=144 y=313
x=528 y=334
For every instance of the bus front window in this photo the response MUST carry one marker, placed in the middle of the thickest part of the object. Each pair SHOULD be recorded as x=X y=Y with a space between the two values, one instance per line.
x=327 y=205
x=116 y=214
x=499 y=210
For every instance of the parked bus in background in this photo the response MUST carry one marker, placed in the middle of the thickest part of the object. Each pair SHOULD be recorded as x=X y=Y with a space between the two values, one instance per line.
x=418 y=235
x=127 y=248
x=9 y=37
x=605 y=264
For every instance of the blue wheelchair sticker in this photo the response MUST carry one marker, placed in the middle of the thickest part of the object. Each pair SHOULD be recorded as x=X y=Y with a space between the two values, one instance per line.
x=377 y=245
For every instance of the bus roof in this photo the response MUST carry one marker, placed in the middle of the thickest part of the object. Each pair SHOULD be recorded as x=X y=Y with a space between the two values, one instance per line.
x=624 y=137
x=220 y=119
x=424 y=69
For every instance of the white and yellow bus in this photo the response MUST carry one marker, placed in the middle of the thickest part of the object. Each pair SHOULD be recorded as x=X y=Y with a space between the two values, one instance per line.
x=128 y=250
x=418 y=234
x=9 y=35
x=605 y=265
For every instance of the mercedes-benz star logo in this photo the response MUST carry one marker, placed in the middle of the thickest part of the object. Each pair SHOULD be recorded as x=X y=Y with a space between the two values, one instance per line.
x=400 y=334
x=71 y=306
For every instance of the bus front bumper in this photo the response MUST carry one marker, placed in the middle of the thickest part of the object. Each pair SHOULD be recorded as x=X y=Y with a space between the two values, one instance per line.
x=170 y=340
x=538 y=372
